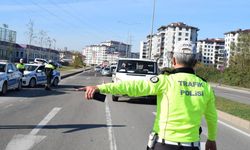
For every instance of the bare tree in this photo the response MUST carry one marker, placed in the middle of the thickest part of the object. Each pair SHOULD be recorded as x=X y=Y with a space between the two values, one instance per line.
x=31 y=37
x=42 y=36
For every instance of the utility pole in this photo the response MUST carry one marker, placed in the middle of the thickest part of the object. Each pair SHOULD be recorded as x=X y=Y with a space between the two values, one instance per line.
x=152 y=30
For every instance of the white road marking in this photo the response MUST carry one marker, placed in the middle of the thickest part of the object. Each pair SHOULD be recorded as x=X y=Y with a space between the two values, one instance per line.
x=52 y=114
x=112 y=140
x=7 y=106
x=88 y=78
x=27 y=142
x=238 y=130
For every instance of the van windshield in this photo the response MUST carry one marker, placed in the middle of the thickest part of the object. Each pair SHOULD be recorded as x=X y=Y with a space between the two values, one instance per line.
x=137 y=66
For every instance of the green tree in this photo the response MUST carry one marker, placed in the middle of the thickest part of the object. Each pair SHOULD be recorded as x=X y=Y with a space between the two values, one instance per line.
x=78 y=62
x=240 y=55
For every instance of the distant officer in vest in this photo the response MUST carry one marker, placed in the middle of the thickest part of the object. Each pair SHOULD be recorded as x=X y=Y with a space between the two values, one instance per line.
x=49 y=67
x=182 y=100
x=20 y=66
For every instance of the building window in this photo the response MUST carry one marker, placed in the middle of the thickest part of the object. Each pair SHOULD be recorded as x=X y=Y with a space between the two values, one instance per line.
x=180 y=28
x=179 y=39
x=17 y=54
x=179 y=33
x=21 y=55
x=186 y=34
x=186 y=39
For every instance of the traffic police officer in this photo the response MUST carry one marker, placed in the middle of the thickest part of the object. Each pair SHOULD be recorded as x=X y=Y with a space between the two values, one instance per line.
x=49 y=67
x=20 y=66
x=182 y=100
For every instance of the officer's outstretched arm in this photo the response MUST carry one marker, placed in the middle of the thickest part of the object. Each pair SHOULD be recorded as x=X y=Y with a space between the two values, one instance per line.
x=133 y=88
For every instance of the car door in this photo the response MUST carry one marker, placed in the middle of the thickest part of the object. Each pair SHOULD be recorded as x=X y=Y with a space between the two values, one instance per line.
x=17 y=75
x=41 y=77
x=12 y=81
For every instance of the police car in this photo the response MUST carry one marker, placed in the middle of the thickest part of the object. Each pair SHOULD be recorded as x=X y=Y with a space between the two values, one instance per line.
x=34 y=74
x=10 y=77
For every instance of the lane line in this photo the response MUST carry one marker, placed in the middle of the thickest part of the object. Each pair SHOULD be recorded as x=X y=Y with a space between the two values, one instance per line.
x=238 y=130
x=112 y=141
x=7 y=106
x=52 y=114
x=27 y=142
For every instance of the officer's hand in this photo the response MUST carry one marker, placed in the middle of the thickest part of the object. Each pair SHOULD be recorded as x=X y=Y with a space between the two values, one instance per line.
x=89 y=91
x=210 y=145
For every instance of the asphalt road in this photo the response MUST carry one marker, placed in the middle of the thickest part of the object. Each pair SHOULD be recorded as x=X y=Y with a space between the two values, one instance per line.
x=63 y=120
x=233 y=94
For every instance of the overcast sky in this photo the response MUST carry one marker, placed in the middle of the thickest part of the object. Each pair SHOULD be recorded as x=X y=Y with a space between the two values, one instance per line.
x=77 y=23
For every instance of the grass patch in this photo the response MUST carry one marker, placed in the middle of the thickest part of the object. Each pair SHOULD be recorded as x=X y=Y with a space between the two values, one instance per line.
x=233 y=108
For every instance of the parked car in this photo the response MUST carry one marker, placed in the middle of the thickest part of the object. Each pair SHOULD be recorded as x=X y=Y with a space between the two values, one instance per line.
x=133 y=69
x=34 y=74
x=98 y=68
x=106 y=71
x=10 y=77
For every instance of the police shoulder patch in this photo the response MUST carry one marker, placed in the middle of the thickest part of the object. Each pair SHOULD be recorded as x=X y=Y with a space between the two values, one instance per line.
x=154 y=79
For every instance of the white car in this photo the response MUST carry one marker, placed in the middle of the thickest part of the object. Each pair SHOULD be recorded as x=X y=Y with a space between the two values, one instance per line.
x=34 y=74
x=106 y=71
x=134 y=69
x=10 y=77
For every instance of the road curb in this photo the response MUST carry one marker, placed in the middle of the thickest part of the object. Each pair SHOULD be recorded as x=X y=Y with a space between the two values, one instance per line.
x=236 y=121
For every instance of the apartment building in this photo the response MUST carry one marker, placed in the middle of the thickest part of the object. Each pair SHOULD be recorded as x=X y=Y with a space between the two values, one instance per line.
x=231 y=38
x=144 y=52
x=213 y=53
x=97 y=54
x=167 y=37
x=123 y=49
x=106 y=51
x=7 y=35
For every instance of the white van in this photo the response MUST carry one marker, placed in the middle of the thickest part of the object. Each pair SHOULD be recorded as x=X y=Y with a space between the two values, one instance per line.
x=134 y=69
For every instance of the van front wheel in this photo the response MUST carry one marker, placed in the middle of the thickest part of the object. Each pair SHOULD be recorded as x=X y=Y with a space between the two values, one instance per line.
x=115 y=98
